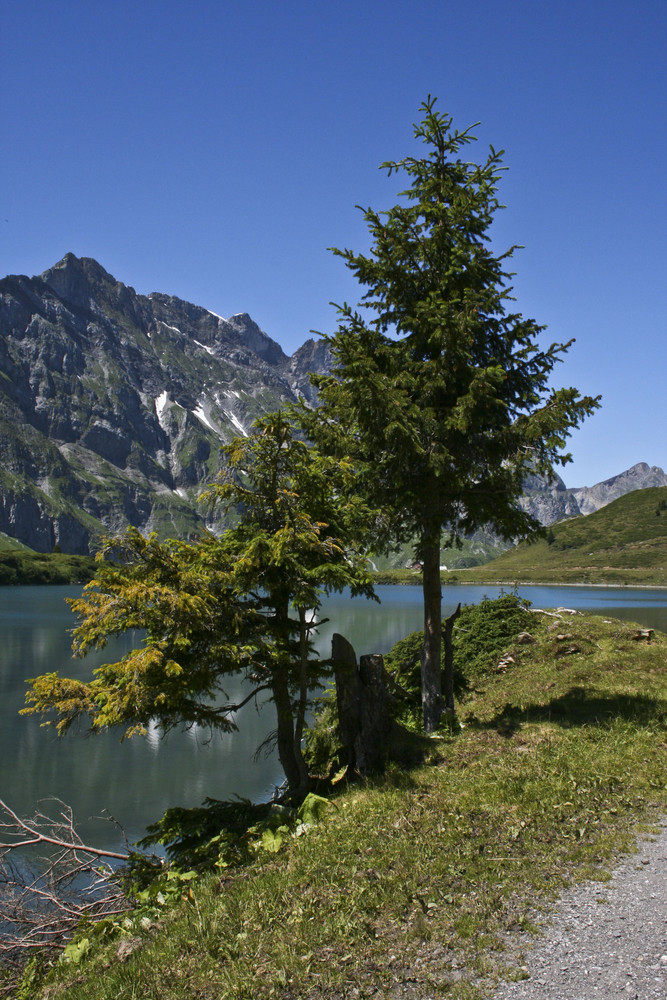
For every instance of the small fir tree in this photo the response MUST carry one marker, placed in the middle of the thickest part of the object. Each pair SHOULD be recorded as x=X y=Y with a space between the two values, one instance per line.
x=244 y=603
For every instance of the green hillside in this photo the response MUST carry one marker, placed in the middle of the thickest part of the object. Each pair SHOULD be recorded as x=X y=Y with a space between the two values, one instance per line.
x=623 y=543
x=21 y=566
x=7 y=543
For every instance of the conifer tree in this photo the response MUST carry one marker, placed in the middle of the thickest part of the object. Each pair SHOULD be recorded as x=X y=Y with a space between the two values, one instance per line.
x=439 y=391
x=243 y=604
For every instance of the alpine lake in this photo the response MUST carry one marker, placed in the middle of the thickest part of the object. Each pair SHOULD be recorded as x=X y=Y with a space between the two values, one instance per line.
x=136 y=780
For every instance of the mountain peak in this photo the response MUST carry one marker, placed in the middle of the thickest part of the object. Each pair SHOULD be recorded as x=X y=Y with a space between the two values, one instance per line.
x=253 y=336
x=77 y=279
x=71 y=264
x=114 y=405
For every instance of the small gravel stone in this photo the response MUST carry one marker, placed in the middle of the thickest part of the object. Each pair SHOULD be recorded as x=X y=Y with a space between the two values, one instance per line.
x=591 y=949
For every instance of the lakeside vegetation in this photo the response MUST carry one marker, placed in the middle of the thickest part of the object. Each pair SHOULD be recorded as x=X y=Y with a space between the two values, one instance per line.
x=22 y=566
x=622 y=544
x=430 y=874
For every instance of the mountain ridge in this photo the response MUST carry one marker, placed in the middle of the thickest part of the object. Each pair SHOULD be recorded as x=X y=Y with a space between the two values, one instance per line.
x=114 y=407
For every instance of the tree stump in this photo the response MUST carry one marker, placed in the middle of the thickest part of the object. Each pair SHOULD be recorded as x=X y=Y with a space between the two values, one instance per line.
x=448 y=673
x=348 y=693
x=363 y=702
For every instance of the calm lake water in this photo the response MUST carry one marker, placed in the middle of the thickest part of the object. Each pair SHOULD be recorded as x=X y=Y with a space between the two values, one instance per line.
x=138 y=779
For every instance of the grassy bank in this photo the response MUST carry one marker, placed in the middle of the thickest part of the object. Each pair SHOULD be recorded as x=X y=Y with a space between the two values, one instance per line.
x=23 y=568
x=431 y=878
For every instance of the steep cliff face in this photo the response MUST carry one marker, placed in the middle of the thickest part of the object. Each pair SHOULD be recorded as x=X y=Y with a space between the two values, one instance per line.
x=548 y=501
x=114 y=406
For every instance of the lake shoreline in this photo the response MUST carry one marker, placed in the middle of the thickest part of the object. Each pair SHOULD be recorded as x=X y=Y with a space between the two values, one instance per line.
x=538 y=583
x=416 y=582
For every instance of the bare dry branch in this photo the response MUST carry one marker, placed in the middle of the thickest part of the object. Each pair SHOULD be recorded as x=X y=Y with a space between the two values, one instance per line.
x=49 y=882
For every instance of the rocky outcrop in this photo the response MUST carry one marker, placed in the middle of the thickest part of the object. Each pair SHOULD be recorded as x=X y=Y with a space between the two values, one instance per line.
x=31 y=518
x=553 y=501
x=114 y=406
x=313 y=356
x=548 y=501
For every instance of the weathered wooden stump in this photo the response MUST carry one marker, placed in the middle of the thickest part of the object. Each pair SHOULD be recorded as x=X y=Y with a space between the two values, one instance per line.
x=363 y=702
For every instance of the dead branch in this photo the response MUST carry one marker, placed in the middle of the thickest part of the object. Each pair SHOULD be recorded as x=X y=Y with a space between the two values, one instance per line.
x=558 y=613
x=35 y=830
x=50 y=881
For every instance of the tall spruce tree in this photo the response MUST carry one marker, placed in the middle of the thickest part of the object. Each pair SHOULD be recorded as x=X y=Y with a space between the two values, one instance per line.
x=439 y=393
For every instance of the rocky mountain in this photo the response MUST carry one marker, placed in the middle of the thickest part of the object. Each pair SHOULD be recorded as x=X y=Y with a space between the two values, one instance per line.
x=551 y=502
x=114 y=406
x=639 y=477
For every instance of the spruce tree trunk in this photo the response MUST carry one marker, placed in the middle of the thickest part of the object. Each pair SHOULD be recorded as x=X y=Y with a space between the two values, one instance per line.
x=285 y=730
x=288 y=740
x=302 y=705
x=431 y=679
x=448 y=672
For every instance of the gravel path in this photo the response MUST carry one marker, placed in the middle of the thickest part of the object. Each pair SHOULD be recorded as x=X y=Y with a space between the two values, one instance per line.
x=605 y=939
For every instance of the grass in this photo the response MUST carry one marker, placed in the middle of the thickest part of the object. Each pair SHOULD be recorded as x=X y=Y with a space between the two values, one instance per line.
x=7 y=543
x=430 y=880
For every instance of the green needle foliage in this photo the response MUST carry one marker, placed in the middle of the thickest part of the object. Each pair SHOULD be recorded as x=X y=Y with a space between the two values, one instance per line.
x=439 y=391
x=299 y=535
x=221 y=607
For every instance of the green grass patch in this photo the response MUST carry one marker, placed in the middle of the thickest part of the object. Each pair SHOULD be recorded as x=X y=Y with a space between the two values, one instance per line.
x=430 y=879
x=7 y=543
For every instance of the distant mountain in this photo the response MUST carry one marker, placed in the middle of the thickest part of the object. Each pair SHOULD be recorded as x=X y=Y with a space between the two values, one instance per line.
x=624 y=542
x=113 y=405
x=552 y=502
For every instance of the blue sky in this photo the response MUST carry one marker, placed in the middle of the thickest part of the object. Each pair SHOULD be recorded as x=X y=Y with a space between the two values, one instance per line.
x=215 y=150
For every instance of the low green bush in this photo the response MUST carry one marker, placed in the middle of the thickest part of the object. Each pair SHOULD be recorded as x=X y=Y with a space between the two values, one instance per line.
x=482 y=633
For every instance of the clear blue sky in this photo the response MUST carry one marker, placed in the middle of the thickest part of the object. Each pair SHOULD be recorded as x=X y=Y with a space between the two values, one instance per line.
x=215 y=150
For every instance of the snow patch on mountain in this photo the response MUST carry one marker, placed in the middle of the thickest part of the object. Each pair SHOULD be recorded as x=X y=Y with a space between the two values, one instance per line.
x=161 y=407
x=203 y=413
x=209 y=350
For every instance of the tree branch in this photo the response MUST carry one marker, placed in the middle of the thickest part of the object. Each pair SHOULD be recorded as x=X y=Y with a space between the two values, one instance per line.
x=43 y=901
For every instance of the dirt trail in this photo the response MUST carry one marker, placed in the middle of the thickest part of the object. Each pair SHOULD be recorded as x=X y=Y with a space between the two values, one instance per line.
x=604 y=939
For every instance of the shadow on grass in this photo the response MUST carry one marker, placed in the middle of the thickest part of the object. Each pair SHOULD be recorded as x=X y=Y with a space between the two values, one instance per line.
x=580 y=707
